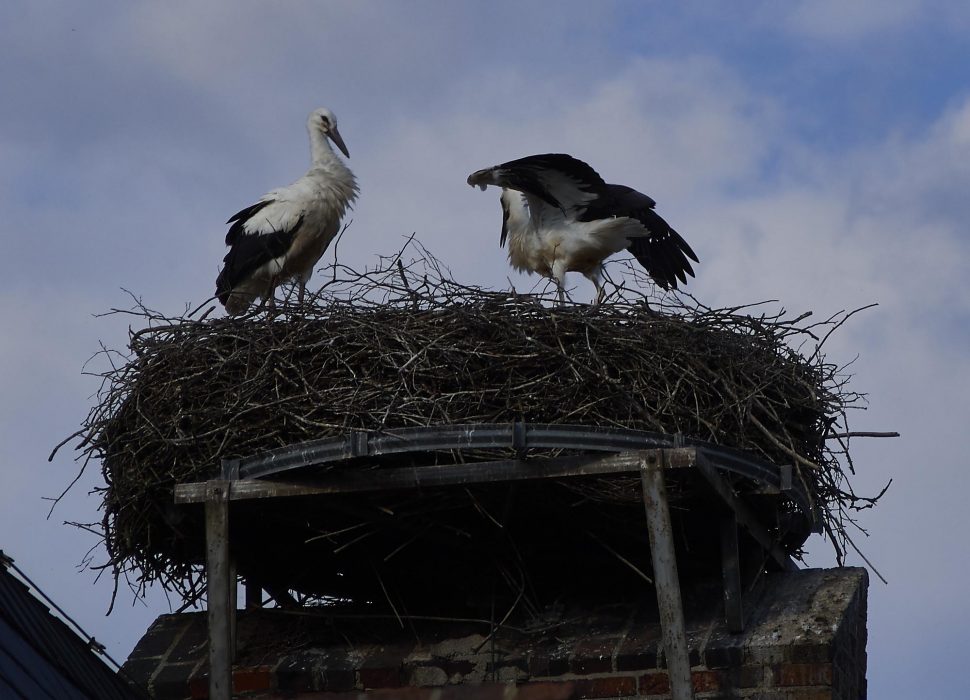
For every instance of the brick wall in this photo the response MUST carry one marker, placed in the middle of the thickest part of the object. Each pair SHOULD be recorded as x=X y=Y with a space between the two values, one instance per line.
x=804 y=640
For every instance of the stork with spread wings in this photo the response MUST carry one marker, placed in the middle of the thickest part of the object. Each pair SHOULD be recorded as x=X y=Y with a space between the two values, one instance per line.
x=560 y=216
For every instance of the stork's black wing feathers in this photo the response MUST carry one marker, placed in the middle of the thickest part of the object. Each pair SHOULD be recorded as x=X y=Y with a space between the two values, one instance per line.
x=239 y=219
x=527 y=172
x=558 y=162
x=536 y=175
x=616 y=200
x=248 y=253
x=663 y=253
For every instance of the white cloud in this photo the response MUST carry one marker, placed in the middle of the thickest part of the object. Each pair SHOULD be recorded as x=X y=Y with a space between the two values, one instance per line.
x=884 y=225
x=842 y=21
x=671 y=128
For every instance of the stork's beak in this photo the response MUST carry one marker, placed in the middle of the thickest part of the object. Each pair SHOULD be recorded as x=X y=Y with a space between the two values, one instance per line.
x=480 y=178
x=335 y=137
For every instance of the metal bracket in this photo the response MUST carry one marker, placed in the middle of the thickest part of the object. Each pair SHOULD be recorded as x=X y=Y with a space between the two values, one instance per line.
x=520 y=441
x=230 y=469
x=785 y=474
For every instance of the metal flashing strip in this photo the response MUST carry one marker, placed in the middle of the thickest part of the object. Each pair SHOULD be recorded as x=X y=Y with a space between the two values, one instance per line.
x=518 y=436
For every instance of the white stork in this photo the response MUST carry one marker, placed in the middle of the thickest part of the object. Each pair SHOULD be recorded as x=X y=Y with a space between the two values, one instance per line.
x=560 y=216
x=283 y=235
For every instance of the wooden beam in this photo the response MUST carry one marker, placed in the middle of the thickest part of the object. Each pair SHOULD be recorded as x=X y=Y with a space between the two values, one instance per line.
x=357 y=480
x=665 y=575
x=745 y=516
x=217 y=581
x=731 y=573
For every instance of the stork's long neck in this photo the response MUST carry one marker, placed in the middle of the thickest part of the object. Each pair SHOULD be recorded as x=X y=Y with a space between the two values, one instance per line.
x=321 y=153
x=518 y=232
x=517 y=217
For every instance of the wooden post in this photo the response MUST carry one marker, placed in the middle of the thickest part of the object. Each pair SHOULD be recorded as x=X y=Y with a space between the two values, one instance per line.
x=233 y=604
x=665 y=574
x=217 y=581
x=731 y=573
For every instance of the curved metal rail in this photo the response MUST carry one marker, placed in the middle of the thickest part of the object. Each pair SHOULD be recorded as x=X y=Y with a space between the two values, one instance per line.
x=517 y=436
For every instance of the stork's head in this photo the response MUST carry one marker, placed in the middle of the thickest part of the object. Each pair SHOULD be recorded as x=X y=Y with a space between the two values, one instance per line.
x=323 y=121
x=483 y=178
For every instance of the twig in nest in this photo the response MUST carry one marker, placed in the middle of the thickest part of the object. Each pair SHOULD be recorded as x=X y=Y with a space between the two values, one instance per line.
x=862 y=433
x=622 y=559
x=387 y=596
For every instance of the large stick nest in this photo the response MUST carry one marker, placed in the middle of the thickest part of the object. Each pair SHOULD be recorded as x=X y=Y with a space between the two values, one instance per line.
x=404 y=345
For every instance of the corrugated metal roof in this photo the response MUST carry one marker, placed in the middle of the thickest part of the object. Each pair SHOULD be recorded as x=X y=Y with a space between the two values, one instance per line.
x=40 y=657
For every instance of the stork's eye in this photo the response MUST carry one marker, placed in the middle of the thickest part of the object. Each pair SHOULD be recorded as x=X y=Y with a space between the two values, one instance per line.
x=325 y=122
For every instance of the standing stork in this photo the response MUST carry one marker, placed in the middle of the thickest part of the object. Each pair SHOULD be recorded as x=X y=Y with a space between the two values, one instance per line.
x=283 y=235
x=560 y=216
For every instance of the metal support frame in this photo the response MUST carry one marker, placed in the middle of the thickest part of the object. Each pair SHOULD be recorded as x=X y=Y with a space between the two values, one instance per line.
x=744 y=516
x=665 y=574
x=738 y=515
x=628 y=451
x=519 y=436
x=220 y=584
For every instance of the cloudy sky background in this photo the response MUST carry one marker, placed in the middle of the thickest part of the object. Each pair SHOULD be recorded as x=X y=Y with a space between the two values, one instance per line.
x=814 y=152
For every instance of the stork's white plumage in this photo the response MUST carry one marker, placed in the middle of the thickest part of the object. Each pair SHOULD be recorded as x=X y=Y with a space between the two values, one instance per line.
x=283 y=235
x=560 y=216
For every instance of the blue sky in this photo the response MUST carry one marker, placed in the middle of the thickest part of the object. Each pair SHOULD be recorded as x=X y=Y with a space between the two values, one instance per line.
x=815 y=152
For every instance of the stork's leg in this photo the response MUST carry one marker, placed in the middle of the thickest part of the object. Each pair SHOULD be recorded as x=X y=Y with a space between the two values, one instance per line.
x=596 y=277
x=301 y=282
x=559 y=275
x=600 y=295
x=600 y=289
x=270 y=294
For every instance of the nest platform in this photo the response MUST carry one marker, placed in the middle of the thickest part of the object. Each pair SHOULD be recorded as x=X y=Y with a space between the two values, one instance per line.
x=404 y=347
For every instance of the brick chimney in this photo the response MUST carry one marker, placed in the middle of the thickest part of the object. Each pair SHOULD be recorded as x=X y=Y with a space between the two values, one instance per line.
x=805 y=639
